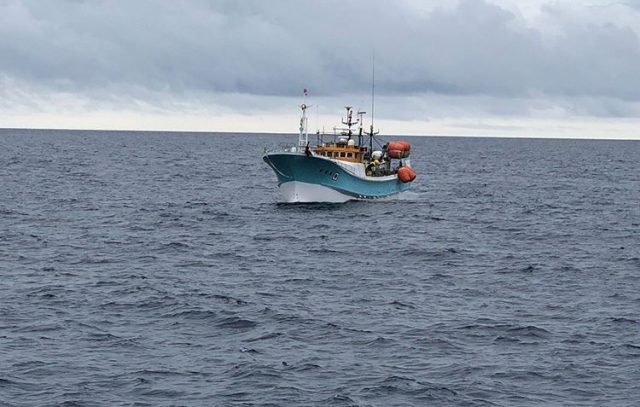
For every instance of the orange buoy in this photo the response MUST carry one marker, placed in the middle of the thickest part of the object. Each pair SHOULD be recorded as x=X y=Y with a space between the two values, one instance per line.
x=399 y=145
x=406 y=174
x=397 y=153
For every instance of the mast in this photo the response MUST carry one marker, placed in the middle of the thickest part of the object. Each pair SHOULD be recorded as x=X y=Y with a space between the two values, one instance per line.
x=360 y=129
x=303 y=137
x=349 y=122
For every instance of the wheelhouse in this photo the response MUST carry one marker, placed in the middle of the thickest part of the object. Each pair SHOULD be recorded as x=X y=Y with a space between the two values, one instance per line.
x=344 y=153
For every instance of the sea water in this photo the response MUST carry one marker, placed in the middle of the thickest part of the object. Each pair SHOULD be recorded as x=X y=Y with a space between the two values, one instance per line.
x=146 y=268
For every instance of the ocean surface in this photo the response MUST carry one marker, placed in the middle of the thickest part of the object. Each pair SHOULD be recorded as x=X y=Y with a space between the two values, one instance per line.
x=152 y=269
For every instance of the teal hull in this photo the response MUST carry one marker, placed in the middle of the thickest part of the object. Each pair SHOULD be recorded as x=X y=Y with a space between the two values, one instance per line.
x=317 y=171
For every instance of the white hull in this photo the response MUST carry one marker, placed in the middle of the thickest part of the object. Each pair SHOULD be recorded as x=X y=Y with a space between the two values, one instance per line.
x=296 y=191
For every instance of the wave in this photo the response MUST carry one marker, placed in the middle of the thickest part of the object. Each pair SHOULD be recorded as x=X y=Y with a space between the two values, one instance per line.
x=235 y=323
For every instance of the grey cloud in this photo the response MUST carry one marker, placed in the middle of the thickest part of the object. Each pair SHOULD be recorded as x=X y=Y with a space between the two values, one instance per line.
x=115 y=49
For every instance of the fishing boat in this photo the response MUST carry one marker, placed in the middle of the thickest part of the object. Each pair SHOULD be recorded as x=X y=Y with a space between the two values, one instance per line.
x=342 y=166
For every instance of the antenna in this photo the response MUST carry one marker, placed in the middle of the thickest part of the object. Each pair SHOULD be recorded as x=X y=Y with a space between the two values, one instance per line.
x=373 y=94
x=373 y=86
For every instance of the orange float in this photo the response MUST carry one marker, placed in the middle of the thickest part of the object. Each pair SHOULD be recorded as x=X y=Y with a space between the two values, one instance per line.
x=406 y=174
x=398 y=149
x=399 y=145
x=397 y=153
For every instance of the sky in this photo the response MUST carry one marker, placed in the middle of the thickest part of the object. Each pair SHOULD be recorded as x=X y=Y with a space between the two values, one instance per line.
x=527 y=68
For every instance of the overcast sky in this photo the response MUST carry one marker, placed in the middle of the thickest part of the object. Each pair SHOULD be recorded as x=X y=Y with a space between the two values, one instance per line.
x=563 y=68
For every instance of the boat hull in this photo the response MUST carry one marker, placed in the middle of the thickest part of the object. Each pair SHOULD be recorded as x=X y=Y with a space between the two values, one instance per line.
x=304 y=178
x=297 y=191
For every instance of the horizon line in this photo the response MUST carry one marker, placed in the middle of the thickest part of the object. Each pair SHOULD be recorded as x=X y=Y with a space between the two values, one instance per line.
x=267 y=133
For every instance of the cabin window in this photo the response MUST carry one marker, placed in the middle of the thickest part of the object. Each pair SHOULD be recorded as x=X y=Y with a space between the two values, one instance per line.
x=342 y=154
x=349 y=155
